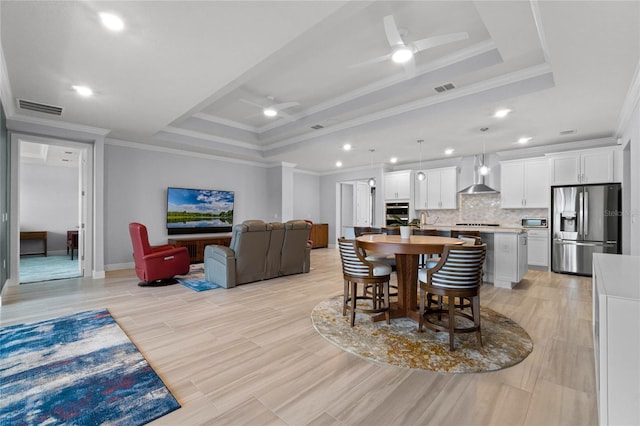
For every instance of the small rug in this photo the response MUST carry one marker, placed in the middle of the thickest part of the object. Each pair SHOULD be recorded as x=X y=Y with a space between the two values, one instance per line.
x=195 y=279
x=505 y=343
x=78 y=369
x=47 y=268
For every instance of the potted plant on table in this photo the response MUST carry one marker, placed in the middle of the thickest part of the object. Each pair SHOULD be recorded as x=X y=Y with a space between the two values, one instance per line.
x=405 y=226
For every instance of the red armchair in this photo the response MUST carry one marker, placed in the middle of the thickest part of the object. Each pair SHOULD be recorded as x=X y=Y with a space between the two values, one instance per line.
x=156 y=265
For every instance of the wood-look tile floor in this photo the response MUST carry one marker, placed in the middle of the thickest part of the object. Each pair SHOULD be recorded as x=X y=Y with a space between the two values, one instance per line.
x=250 y=355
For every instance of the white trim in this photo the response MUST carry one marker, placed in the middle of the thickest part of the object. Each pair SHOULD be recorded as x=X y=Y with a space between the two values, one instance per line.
x=5 y=87
x=176 y=151
x=202 y=136
x=96 y=131
x=225 y=122
x=631 y=101
x=537 y=18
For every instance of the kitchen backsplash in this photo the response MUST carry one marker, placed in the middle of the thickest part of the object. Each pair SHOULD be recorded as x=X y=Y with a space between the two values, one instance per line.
x=482 y=208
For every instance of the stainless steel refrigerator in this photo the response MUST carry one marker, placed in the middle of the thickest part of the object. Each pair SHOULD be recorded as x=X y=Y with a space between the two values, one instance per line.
x=586 y=219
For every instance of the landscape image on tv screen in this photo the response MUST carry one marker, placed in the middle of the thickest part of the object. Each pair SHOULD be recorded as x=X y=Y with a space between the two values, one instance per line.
x=199 y=210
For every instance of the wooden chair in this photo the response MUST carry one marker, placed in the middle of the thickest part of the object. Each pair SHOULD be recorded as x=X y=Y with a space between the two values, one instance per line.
x=458 y=274
x=374 y=275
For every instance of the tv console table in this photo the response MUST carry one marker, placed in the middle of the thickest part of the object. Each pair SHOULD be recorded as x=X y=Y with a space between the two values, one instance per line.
x=35 y=235
x=196 y=245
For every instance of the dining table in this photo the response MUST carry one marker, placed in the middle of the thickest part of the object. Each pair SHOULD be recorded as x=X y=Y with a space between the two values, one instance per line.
x=407 y=252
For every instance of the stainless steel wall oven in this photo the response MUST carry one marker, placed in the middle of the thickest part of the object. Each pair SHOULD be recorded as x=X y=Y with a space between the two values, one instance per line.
x=400 y=209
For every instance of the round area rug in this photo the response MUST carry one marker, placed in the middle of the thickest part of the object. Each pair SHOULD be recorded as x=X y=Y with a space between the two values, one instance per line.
x=505 y=343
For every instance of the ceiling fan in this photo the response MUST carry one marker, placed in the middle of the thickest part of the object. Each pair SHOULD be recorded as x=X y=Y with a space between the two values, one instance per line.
x=402 y=52
x=272 y=109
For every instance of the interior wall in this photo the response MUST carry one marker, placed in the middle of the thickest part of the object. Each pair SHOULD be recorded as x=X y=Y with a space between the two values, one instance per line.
x=306 y=190
x=136 y=182
x=631 y=216
x=48 y=202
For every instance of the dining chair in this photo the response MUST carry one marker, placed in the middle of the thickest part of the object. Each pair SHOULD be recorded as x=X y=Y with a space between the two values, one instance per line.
x=374 y=275
x=458 y=274
x=422 y=262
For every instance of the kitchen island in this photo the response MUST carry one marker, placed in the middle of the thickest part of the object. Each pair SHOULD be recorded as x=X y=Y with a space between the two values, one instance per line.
x=507 y=251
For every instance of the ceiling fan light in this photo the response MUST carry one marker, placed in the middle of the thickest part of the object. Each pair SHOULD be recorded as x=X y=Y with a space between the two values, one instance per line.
x=270 y=112
x=421 y=176
x=401 y=54
x=111 y=22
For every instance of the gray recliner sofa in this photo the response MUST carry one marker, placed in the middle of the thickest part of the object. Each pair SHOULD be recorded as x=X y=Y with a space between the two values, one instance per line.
x=259 y=251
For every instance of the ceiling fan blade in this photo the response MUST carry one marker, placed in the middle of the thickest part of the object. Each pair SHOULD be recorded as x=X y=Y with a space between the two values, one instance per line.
x=371 y=61
x=251 y=103
x=410 y=68
x=428 y=43
x=391 y=29
x=284 y=105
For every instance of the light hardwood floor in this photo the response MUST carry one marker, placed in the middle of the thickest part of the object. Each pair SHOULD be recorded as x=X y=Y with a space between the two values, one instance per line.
x=250 y=355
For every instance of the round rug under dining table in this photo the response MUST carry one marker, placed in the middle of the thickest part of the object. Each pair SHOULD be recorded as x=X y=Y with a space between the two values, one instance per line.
x=505 y=343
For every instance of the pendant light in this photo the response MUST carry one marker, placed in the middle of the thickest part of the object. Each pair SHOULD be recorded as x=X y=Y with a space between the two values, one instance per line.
x=420 y=175
x=372 y=180
x=483 y=169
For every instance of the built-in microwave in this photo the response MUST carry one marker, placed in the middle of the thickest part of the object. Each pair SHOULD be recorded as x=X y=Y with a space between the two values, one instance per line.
x=535 y=222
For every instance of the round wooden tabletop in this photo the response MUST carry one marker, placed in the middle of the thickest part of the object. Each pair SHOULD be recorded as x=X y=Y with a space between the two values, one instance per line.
x=415 y=244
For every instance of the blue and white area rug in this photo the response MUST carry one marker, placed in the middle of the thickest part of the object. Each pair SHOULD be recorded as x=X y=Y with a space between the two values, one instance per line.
x=81 y=369
x=195 y=279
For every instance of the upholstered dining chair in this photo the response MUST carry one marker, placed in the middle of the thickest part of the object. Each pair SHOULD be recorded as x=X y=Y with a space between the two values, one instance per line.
x=457 y=274
x=156 y=265
x=357 y=270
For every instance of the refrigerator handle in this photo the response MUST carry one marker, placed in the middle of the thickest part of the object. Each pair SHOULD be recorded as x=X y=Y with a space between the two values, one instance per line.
x=585 y=211
x=580 y=224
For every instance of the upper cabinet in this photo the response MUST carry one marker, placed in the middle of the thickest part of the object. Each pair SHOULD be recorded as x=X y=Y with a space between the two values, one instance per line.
x=439 y=190
x=585 y=166
x=397 y=185
x=524 y=183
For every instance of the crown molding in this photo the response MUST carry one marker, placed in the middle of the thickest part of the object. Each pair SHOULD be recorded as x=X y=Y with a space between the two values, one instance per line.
x=62 y=125
x=212 y=138
x=174 y=151
x=631 y=102
x=553 y=148
x=6 y=97
x=223 y=121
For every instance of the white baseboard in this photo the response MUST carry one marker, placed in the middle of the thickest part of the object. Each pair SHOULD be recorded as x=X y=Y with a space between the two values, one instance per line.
x=118 y=266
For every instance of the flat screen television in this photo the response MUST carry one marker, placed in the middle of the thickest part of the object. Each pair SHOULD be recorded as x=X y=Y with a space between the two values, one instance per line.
x=198 y=211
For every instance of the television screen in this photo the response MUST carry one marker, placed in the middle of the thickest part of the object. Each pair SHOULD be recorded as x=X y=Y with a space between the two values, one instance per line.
x=194 y=211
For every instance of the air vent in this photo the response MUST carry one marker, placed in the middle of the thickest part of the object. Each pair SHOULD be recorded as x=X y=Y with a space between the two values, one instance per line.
x=567 y=132
x=317 y=127
x=37 y=107
x=445 y=87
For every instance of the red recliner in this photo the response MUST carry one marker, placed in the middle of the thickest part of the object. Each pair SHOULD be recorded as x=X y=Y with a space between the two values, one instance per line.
x=156 y=265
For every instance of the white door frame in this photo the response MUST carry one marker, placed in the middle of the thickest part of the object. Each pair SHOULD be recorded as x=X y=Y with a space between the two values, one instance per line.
x=85 y=252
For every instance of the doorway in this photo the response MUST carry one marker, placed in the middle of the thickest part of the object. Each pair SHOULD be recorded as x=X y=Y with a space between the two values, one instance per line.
x=52 y=194
x=356 y=204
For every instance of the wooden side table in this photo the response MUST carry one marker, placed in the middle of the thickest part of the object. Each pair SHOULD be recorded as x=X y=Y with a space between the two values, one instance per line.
x=196 y=245
x=35 y=235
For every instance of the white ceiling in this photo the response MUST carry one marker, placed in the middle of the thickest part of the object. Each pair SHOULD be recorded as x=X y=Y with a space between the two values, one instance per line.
x=181 y=73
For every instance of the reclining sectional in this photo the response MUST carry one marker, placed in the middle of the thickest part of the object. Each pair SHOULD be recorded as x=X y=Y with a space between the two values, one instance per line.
x=259 y=251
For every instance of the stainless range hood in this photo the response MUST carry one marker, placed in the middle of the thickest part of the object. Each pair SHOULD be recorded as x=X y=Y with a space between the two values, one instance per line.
x=478 y=186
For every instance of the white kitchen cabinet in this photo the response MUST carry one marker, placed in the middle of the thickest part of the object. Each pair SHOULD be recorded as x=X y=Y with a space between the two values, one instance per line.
x=524 y=183
x=583 y=167
x=397 y=185
x=510 y=259
x=616 y=337
x=420 y=192
x=538 y=250
x=442 y=188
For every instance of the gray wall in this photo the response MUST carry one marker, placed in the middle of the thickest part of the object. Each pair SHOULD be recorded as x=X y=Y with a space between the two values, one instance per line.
x=48 y=202
x=306 y=193
x=631 y=206
x=136 y=182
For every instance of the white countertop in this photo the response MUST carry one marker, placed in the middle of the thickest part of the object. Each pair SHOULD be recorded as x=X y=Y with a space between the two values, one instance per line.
x=512 y=229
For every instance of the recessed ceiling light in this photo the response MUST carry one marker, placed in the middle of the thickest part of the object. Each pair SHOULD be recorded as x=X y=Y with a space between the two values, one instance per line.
x=270 y=112
x=83 y=90
x=401 y=54
x=501 y=113
x=449 y=151
x=346 y=147
x=524 y=140
x=338 y=163
x=111 y=21
x=393 y=160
